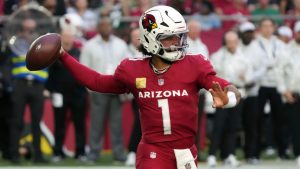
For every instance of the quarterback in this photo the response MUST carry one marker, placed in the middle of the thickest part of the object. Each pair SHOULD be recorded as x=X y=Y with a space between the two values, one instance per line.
x=165 y=85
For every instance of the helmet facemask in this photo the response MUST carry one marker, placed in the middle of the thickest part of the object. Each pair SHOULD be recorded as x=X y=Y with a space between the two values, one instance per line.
x=173 y=52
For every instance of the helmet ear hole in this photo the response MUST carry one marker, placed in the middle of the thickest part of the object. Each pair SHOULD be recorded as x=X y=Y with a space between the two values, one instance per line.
x=161 y=52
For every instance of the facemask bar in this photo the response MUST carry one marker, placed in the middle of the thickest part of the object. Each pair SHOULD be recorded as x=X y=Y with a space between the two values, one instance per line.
x=173 y=48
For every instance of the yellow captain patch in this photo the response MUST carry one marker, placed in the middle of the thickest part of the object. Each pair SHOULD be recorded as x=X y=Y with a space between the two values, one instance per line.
x=140 y=83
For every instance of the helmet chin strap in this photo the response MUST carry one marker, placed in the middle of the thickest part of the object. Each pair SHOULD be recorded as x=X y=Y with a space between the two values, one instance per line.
x=180 y=50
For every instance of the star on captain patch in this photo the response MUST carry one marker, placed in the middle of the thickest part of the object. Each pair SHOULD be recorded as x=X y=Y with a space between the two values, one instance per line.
x=140 y=83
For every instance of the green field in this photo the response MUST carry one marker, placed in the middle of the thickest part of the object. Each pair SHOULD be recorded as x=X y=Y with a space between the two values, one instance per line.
x=106 y=162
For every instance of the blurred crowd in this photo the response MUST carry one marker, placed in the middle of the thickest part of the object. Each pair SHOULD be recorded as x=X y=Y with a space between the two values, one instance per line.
x=257 y=52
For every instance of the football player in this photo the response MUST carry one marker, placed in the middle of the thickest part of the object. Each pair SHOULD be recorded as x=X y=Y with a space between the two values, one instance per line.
x=165 y=85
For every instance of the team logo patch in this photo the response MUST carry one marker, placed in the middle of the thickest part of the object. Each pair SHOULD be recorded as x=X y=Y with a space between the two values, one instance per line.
x=149 y=22
x=140 y=83
x=188 y=166
x=152 y=155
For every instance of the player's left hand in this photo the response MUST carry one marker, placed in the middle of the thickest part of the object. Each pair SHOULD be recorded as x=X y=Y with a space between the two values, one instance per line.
x=219 y=95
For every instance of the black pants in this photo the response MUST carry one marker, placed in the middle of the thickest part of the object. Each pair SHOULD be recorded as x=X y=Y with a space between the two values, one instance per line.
x=279 y=118
x=200 y=114
x=249 y=119
x=31 y=93
x=225 y=127
x=136 y=132
x=77 y=106
x=5 y=118
x=294 y=125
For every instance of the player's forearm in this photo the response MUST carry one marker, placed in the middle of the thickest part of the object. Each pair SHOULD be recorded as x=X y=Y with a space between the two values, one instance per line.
x=90 y=78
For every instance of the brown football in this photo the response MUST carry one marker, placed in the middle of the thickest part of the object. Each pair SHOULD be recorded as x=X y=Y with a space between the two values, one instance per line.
x=43 y=51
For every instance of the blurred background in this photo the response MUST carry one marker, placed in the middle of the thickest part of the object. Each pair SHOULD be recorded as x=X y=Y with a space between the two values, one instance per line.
x=46 y=118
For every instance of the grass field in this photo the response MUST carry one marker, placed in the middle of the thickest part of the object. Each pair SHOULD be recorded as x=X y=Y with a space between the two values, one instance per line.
x=106 y=162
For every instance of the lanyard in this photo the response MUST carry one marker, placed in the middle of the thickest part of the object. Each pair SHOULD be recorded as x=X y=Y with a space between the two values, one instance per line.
x=265 y=50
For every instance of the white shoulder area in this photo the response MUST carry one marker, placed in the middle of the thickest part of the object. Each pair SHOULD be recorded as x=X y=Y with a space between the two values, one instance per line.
x=218 y=53
x=93 y=41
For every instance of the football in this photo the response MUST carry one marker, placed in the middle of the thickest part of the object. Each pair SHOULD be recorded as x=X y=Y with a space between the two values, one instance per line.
x=43 y=51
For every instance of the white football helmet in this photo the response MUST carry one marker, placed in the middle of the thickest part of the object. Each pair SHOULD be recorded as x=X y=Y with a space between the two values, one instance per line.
x=73 y=22
x=160 y=22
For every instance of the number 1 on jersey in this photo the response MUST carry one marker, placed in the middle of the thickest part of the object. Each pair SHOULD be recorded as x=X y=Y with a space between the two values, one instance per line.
x=164 y=105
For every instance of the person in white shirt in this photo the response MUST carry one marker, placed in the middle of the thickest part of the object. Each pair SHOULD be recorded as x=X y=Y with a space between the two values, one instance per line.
x=250 y=108
x=271 y=48
x=289 y=80
x=229 y=63
x=88 y=16
x=285 y=34
x=196 y=46
x=103 y=53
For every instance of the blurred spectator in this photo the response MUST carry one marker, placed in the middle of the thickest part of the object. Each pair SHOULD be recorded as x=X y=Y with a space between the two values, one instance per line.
x=55 y=7
x=1 y=7
x=285 y=6
x=196 y=46
x=252 y=4
x=137 y=9
x=271 y=48
x=263 y=8
x=12 y=5
x=95 y=4
x=230 y=64
x=67 y=94
x=113 y=10
x=5 y=104
x=289 y=87
x=73 y=23
x=88 y=16
x=206 y=16
x=294 y=12
x=28 y=88
x=285 y=34
x=100 y=54
x=220 y=5
x=250 y=107
x=237 y=12
x=136 y=131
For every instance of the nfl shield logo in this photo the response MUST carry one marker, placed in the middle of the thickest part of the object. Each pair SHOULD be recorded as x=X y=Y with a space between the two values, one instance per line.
x=161 y=82
x=188 y=166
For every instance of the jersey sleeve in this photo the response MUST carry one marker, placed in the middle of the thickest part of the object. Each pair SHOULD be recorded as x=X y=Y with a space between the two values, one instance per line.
x=92 y=79
x=207 y=75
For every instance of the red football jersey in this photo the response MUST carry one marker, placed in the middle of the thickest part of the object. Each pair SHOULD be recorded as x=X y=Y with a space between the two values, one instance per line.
x=168 y=102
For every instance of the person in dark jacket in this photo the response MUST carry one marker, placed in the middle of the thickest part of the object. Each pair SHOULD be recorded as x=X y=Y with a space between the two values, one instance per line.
x=67 y=94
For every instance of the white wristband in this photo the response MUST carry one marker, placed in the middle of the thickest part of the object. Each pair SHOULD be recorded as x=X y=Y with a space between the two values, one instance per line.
x=231 y=100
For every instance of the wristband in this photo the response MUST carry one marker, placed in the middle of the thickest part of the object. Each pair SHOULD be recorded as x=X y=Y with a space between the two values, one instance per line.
x=231 y=100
